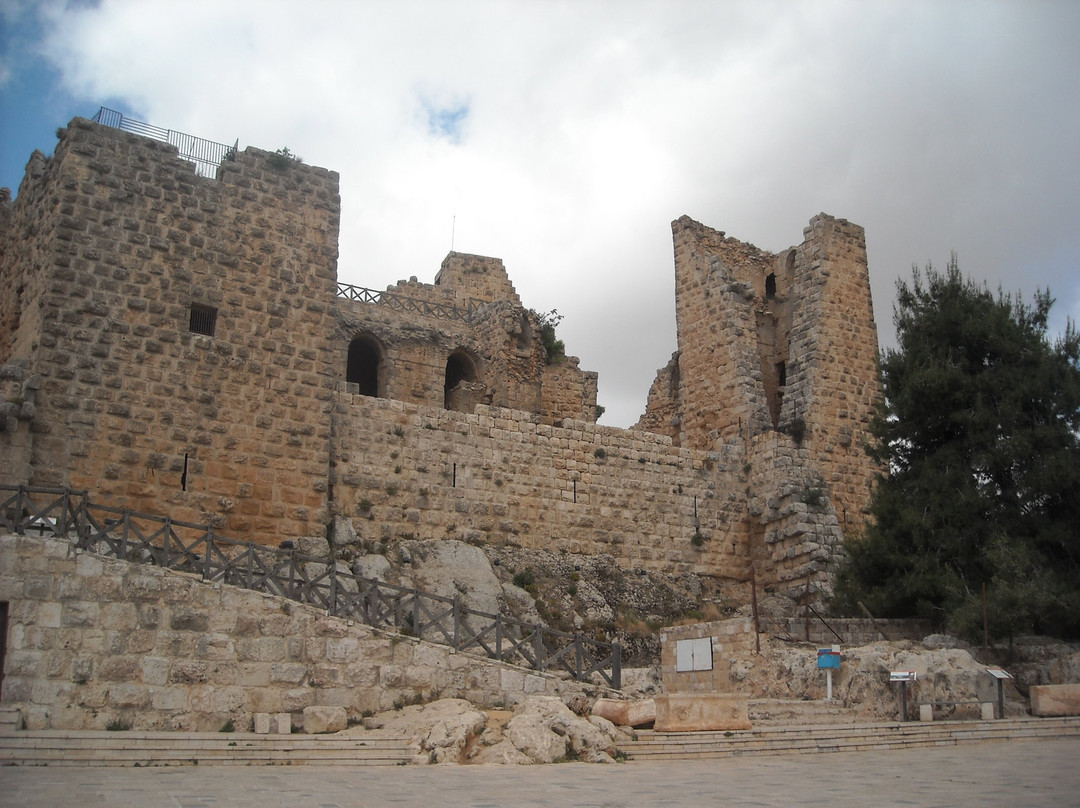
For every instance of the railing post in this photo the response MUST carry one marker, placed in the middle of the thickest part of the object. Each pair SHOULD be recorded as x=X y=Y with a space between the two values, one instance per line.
x=538 y=646
x=579 y=654
x=250 y=572
x=333 y=587
x=165 y=544
x=209 y=550
x=616 y=666
x=498 y=638
x=457 y=621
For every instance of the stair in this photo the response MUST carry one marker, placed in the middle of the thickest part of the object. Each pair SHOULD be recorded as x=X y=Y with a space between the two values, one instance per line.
x=801 y=713
x=781 y=740
x=10 y=719
x=96 y=748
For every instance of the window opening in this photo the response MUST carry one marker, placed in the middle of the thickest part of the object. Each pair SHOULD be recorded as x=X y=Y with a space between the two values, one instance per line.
x=203 y=319
x=363 y=366
x=770 y=285
x=459 y=368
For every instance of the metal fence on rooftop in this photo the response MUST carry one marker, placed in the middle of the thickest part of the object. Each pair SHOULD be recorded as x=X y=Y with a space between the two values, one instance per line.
x=207 y=155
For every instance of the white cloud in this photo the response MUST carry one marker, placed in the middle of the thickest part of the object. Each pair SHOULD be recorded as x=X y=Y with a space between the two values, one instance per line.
x=564 y=137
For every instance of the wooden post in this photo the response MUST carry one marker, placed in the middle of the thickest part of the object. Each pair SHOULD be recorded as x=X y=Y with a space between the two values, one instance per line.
x=753 y=605
x=986 y=622
x=806 y=610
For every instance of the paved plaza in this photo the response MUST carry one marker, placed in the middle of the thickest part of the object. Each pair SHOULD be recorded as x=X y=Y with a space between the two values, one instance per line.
x=1019 y=773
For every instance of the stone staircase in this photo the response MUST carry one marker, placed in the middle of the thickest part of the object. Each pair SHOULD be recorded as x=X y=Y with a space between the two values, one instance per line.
x=96 y=748
x=774 y=738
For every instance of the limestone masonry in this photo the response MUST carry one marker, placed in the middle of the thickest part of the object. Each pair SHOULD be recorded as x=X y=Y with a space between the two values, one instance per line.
x=179 y=344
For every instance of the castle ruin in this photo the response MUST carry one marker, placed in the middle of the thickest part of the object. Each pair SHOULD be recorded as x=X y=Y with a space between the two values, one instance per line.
x=176 y=343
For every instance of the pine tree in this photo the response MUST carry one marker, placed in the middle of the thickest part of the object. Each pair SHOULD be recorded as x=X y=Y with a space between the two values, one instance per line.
x=980 y=432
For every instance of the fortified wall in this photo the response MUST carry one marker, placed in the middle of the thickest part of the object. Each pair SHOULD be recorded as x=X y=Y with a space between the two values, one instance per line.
x=181 y=344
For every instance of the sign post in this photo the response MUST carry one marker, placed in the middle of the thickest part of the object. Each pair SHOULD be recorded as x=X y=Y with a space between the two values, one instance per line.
x=903 y=677
x=828 y=659
x=1001 y=675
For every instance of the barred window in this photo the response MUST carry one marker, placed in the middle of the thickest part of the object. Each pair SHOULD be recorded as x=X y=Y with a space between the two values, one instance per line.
x=203 y=319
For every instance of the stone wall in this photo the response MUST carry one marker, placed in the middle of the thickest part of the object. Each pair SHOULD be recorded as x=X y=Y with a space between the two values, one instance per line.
x=125 y=242
x=776 y=343
x=431 y=410
x=93 y=640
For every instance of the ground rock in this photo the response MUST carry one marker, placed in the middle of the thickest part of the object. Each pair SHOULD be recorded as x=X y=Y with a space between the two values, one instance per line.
x=544 y=729
x=452 y=568
x=375 y=567
x=439 y=732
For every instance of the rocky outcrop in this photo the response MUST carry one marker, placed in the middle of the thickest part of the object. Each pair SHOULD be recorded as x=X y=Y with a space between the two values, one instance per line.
x=541 y=729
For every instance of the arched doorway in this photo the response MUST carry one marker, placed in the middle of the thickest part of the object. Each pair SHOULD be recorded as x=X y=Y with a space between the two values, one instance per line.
x=362 y=369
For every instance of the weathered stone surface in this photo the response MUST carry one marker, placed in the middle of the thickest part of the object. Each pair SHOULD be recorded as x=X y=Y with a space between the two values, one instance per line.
x=321 y=719
x=1055 y=699
x=279 y=657
x=690 y=712
x=622 y=713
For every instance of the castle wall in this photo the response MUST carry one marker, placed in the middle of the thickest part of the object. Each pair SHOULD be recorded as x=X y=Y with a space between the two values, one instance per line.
x=93 y=640
x=134 y=406
x=833 y=374
x=498 y=475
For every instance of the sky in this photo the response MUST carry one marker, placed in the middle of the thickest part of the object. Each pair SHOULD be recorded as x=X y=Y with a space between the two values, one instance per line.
x=564 y=137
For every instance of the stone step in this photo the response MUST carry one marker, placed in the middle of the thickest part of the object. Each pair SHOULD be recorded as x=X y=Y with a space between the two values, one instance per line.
x=651 y=745
x=92 y=748
x=799 y=712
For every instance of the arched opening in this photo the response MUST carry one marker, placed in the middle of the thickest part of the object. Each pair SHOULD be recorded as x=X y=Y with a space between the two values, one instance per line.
x=363 y=365
x=460 y=376
x=770 y=285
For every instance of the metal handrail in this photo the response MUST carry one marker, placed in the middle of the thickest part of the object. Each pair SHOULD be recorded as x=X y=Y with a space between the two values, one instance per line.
x=207 y=155
x=399 y=302
x=196 y=548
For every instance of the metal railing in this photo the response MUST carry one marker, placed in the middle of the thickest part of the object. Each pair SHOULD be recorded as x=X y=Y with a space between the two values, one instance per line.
x=196 y=548
x=393 y=300
x=207 y=155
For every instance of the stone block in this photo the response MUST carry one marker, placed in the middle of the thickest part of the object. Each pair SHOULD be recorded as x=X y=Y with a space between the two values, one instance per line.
x=626 y=713
x=986 y=711
x=284 y=723
x=1055 y=699
x=691 y=712
x=262 y=723
x=926 y=712
x=321 y=719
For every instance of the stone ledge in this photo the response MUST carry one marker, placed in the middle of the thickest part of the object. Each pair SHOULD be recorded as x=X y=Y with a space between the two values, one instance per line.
x=690 y=712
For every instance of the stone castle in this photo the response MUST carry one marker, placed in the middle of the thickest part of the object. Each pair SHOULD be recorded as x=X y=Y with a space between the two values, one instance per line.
x=180 y=344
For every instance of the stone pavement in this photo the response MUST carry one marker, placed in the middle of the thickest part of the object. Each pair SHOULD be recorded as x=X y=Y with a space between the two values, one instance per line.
x=1019 y=773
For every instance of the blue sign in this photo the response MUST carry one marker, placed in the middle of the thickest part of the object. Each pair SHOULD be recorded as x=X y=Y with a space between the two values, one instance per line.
x=828 y=658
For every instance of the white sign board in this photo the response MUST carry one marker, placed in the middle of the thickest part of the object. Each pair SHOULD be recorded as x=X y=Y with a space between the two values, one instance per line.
x=693 y=655
x=903 y=676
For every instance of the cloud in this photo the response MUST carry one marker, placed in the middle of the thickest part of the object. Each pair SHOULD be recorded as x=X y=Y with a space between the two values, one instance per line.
x=564 y=137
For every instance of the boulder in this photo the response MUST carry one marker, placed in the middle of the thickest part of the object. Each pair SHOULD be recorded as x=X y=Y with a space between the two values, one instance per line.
x=321 y=719
x=544 y=729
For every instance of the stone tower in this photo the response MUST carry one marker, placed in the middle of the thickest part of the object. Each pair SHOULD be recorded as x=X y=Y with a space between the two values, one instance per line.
x=782 y=343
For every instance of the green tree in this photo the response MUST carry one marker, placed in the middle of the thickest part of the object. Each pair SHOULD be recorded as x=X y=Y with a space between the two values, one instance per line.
x=980 y=432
